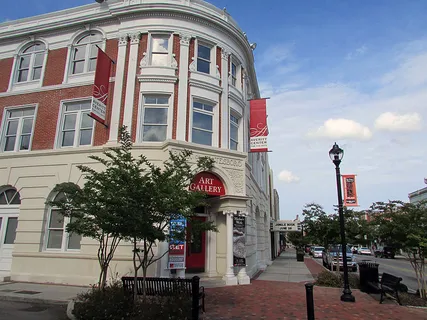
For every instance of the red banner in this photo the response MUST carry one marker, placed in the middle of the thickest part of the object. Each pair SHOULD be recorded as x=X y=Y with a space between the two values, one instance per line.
x=350 y=194
x=100 y=87
x=258 y=126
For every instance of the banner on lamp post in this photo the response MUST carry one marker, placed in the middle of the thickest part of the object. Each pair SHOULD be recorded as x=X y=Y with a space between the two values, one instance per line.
x=176 y=257
x=258 y=125
x=100 y=87
x=239 y=240
x=350 y=193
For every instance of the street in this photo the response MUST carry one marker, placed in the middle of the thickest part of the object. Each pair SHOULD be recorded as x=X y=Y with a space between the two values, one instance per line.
x=398 y=267
x=31 y=311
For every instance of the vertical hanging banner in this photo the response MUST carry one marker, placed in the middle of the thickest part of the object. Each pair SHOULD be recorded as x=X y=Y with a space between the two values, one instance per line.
x=100 y=87
x=350 y=194
x=239 y=241
x=258 y=125
x=176 y=257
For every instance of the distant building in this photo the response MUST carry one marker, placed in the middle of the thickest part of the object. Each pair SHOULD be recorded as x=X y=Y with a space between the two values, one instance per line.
x=418 y=195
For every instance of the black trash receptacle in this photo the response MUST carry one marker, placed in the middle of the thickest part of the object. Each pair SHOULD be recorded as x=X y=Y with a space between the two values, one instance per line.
x=368 y=272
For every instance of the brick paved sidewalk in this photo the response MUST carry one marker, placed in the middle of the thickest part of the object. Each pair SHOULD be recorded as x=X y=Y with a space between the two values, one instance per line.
x=313 y=266
x=284 y=300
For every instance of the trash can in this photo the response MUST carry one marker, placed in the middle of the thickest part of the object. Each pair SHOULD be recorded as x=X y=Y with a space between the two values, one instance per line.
x=368 y=272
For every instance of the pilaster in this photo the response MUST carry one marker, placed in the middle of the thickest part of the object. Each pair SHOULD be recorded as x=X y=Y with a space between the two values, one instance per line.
x=225 y=123
x=183 y=86
x=229 y=277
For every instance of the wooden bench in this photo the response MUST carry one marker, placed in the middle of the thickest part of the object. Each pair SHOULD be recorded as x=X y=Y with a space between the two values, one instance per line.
x=168 y=287
x=388 y=285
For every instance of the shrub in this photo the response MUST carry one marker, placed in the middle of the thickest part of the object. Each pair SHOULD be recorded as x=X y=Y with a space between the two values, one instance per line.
x=114 y=304
x=331 y=279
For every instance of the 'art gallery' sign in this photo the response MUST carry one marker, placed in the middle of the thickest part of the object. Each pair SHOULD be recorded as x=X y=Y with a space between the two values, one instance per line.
x=209 y=183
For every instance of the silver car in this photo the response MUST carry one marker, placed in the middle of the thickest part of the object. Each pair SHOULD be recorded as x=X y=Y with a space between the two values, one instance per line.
x=317 y=252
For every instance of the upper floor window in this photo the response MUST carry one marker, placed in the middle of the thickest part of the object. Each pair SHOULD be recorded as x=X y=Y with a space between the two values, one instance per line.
x=160 y=50
x=57 y=237
x=9 y=197
x=233 y=74
x=76 y=128
x=234 y=132
x=202 y=123
x=18 y=129
x=30 y=63
x=203 y=58
x=85 y=52
x=155 y=118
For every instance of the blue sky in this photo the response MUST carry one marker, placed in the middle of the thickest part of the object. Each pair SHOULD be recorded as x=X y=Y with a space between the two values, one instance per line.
x=354 y=72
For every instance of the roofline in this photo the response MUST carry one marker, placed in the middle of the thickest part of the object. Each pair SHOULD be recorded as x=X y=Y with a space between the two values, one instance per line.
x=417 y=192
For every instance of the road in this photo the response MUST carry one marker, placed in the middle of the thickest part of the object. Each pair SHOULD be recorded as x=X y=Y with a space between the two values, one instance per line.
x=31 y=311
x=398 y=267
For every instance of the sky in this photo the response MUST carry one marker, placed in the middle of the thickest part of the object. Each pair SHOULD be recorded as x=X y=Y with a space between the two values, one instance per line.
x=351 y=72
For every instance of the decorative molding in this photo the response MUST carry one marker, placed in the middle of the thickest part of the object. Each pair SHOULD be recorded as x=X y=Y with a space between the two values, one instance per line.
x=218 y=73
x=225 y=53
x=123 y=40
x=193 y=65
x=238 y=180
x=135 y=37
x=152 y=78
x=144 y=60
x=184 y=39
x=205 y=85
x=174 y=63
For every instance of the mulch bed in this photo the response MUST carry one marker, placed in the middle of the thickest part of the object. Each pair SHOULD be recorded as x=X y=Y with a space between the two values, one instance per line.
x=313 y=266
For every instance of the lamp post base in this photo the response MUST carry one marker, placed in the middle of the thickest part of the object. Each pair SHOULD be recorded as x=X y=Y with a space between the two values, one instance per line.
x=347 y=296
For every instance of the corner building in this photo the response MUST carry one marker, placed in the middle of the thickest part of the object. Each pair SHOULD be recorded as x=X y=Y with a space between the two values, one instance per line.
x=183 y=75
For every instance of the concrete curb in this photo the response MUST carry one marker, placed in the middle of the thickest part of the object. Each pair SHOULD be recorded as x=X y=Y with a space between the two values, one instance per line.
x=33 y=300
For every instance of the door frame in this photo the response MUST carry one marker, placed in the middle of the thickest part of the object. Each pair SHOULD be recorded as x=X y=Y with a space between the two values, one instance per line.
x=7 y=211
x=207 y=246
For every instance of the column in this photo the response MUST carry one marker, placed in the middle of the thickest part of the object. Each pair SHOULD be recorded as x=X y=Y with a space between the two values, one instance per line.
x=225 y=123
x=131 y=79
x=242 y=276
x=118 y=88
x=229 y=277
x=212 y=272
x=183 y=86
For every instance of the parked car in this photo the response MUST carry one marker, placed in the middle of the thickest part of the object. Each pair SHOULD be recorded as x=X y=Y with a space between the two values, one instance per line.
x=385 y=252
x=329 y=258
x=311 y=250
x=354 y=249
x=317 y=252
x=307 y=248
x=365 y=250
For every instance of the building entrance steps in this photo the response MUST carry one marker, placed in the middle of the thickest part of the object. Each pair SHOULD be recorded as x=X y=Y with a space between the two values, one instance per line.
x=286 y=268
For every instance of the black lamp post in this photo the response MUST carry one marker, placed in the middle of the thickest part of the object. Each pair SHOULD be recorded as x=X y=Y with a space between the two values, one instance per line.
x=336 y=154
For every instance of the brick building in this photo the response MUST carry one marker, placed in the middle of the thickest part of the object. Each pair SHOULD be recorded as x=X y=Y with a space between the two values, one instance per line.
x=183 y=75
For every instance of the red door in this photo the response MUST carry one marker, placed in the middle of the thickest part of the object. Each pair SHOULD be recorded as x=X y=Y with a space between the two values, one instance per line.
x=196 y=250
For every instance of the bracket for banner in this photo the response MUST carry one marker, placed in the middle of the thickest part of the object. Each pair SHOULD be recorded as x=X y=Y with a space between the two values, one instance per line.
x=258 y=99
x=113 y=61
x=105 y=125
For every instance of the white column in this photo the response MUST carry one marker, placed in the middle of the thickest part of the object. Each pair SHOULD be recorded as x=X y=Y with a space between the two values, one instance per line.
x=229 y=277
x=130 y=85
x=225 y=119
x=212 y=272
x=183 y=86
x=118 y=88
x=242 y=276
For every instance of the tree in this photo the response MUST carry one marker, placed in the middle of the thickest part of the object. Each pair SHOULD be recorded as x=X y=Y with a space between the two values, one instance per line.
x=99 y=210
x=320 y=227
x=296 y=238
x=404 y=226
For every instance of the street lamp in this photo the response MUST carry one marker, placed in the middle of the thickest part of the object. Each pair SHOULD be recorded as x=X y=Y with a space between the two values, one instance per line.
x=336 y=154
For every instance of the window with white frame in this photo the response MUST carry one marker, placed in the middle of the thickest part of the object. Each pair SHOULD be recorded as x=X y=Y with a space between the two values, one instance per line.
x=160 y=50
x=233 y=74
x=57 y=237
x=18 y=129
x=203 y=58
x=30 y=62
x=85 y=52
x=155 y=118
x=76 y=127
x=234 y=132
x=202 y=123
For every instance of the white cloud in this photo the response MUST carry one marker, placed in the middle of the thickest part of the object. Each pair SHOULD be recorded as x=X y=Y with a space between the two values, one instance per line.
x=356 y=53
x=288 y=177
x=341 y=129
x=390 y=121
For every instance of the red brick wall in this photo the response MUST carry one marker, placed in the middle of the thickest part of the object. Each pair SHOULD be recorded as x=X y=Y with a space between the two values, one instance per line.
x=175 y=50
x=5 y=73
x=55 y=67
x=190 y=60
x=141 y=49
x=111 y=49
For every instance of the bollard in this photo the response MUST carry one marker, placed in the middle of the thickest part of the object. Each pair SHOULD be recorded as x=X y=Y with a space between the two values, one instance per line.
x=310 y=301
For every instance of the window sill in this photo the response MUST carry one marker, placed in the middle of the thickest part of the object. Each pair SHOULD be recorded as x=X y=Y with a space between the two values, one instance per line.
x=81 y=77
x=28 y=85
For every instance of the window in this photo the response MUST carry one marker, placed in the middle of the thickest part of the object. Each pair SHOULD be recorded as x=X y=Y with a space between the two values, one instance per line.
x=18 y=129
x=160 y=50
x=76 y=125
x=84 y=53
x=233 y=74
x=30 y=63
x=57 y=237
x=202 y=123
x=10 y=196
x=234 y=132
x=155 y=118
x=203 y=58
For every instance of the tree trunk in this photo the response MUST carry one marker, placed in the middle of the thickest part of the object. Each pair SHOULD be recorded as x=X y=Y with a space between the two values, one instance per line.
x=135 y=268
x=144 y=272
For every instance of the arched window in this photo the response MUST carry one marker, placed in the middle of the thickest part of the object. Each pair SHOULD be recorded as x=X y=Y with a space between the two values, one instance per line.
x=30 y=62
x=10 y=197
x=57 y=237
x=85 y=52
